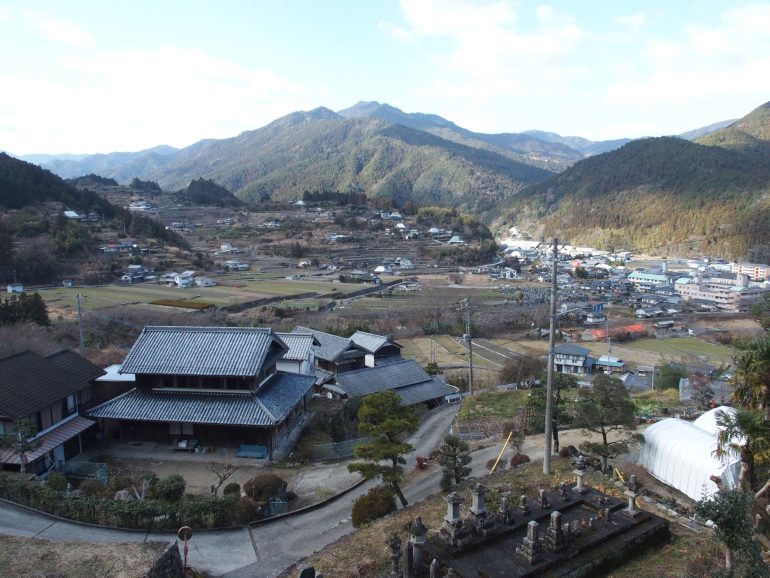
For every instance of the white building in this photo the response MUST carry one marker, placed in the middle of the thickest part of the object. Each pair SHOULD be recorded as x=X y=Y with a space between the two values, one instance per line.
x=726 y=293
x=754 y=271
x=185 y=279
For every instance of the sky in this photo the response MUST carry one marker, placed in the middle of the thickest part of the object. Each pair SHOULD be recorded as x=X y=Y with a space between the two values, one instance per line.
x=89 y=76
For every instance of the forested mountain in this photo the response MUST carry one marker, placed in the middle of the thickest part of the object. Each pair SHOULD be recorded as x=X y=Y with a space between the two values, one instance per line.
x=659 y=194
x=528 y=147
x=122 y=166
x=321 y=151
x=749 y=135
x=34 y=233
x=205 y=192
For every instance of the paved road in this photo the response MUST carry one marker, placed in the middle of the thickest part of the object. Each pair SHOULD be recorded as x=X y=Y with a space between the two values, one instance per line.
x=280 y=543
x=259 y=552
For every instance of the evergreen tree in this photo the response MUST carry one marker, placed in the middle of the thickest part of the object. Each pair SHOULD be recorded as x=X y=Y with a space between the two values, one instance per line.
x=387 y=421
x=454 y=456
x=606 y=409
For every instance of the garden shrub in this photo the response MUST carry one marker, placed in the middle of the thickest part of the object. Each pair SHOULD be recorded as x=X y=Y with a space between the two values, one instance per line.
x=57 y=481
x=519 y=459
x=244 y=511
x=373 y=505
x=491 y=463
x=170 y=488
x=264 y=486
x=232 y=489
x=91 y=487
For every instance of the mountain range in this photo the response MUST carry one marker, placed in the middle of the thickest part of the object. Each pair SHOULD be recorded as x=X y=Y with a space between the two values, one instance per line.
x=705 y=194
x=664 y=194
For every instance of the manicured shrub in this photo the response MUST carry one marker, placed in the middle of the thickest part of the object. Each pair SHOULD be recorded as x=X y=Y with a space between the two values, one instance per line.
x=373 y=505
x=57 y=481
x=519 y=459
x=264 y=487
x=171 y=488
x=232 y=489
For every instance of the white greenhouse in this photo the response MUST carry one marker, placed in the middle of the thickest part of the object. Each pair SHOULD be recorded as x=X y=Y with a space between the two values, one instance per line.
x=681 y=454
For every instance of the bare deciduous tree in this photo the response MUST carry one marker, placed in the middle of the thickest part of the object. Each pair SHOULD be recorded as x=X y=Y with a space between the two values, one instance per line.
x=223 y=470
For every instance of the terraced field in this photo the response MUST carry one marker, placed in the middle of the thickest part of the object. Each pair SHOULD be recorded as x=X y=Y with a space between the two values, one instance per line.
x=231 y=290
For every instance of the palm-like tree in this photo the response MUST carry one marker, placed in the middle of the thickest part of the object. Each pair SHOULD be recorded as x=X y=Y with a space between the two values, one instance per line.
x=746 y=433
x=752 y=376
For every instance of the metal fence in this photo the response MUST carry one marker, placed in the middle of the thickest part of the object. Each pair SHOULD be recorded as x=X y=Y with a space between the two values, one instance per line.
x=337 y=450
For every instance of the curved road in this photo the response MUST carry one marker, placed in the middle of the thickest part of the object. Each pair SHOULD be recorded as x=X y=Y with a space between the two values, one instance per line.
x=261 y=551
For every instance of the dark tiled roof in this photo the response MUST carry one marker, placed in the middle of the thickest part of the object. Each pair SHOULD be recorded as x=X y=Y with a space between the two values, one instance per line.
x=419 y=392
x=237 y=351
x=570 y=349
x=370 y=342
x=331 y=346
x=299 y=345
x=76 y=366
x=267 y=407
x=283 y=391
x=406 y=378
x=30 y=382
x=186 y=407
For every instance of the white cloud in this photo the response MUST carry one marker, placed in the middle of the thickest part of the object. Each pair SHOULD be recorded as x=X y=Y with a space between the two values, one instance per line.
x=634 y=22
x=502 y=63
x=63 y=32
x=721 y=59
x=141 y=99
x=488 y=45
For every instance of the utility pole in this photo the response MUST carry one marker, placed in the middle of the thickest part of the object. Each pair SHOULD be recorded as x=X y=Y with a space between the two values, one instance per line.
x=466 y=305
x=80 y=325
x=549 y=383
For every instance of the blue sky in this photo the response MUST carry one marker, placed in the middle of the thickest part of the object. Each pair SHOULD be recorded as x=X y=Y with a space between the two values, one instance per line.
x=93 y=76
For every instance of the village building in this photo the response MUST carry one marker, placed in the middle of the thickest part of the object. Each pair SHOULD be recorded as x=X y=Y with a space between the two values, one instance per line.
x=405 y=376
x=207 y=386
x=300 y=357
x=49 y=392
x=756 y=272
x=725 y=292
x=573 y=359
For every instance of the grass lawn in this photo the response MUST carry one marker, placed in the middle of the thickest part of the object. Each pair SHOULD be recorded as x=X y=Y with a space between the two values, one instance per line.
x=492 y=405
x=687 y=346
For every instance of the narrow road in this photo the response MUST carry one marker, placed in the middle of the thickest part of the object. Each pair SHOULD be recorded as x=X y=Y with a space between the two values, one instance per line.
x=261 y=551
x=283 y=542
x=264 y=551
